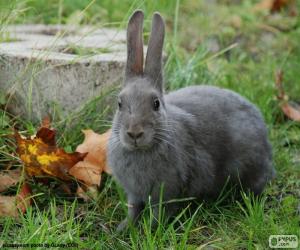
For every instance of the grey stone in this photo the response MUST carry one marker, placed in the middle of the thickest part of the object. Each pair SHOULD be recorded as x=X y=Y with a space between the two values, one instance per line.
x=66 y=66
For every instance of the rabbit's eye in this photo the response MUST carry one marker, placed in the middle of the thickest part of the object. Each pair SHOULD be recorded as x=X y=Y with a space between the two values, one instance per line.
x=156 y=104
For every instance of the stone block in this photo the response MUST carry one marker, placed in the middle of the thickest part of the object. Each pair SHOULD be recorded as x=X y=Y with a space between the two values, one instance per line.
x=65 y=66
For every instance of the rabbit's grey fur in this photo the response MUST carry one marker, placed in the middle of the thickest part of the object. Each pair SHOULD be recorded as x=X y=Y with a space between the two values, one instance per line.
x=199 y=136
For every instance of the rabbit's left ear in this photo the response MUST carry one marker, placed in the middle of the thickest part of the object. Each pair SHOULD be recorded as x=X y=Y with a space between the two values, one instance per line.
x=153 y=64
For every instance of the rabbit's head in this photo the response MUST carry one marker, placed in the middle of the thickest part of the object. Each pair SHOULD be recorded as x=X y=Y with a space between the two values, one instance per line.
x=141 y=109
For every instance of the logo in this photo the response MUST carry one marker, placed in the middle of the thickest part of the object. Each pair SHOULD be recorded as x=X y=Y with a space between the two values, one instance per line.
x=283 y=241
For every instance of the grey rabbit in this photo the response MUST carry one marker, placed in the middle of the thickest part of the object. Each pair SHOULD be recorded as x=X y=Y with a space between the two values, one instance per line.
x=190 y=140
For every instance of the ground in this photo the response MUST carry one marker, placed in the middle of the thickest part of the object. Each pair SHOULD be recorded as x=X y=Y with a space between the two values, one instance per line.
x=223 y=43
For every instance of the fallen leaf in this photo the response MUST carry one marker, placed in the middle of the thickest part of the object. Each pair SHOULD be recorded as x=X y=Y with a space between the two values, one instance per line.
x=278 y=83
x=89 y=170
x=9 y=178
x=272 y=5
x=293 y=10
x=41 y=157
x=23 y=199
x=95 y=145
x=82 y=194
x=45 y=132
x=46 y=135
x=8 y=206
x=279 y=4
x=88 y=193
x=46 y=122
x=87 y=173
x=11 y=206
x=291 y=110
x=264 y=5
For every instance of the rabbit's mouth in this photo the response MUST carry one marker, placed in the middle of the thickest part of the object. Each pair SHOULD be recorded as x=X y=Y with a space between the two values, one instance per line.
x=144 y=142
x=135 y=146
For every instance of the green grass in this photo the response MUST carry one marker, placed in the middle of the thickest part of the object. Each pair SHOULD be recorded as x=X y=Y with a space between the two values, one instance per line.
x=264 y=44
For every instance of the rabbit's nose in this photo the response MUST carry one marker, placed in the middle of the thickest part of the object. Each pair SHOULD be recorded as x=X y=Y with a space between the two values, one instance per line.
x=136 y=134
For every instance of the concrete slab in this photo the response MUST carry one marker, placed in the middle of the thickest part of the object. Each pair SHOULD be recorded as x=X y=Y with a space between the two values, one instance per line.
x=45 y=66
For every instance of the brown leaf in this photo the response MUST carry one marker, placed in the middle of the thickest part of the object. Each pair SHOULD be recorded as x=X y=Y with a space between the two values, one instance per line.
x=10 y=206
x=272 y=5
x=87 y=173
x=89 y=170
x=40 y=157
x=9 y=178
x=46 y=135
x=23 y=199
x=278 y=82
x=279 y=4
x=293 y=10
x=46 y=122
x=292 y=111
x=264 y=5
x=87 y=194
x=45 y=132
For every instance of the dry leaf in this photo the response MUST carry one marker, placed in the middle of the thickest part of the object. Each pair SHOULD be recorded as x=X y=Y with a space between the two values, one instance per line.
x=41 y=157
x=264 y=5
x=95 y=144
x=9 y=178
x=89 y=170
x=10 y=206
x=87 y=173
x=46 y=122
x=279 y=4
x=88 y=194
x=292 y=111
x=24 y=197
x=272 y=5
x=46 y=135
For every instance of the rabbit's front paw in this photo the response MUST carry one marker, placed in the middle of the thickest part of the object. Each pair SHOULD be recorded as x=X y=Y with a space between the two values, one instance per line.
x=122 y=226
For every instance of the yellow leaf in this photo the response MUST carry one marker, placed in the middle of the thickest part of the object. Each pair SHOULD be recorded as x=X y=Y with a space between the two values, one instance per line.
x=41 y=158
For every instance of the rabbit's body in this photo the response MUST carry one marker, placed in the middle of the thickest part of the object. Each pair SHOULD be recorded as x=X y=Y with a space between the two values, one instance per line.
x=229 y=138
x=187 y=143
x=212 y=134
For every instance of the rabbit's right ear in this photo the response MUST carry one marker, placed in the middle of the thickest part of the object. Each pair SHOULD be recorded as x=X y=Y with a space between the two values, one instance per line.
x=135 y=57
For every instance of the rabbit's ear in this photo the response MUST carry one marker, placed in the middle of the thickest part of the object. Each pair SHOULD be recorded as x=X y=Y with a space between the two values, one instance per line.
x=153 y=65
x=135 y=57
